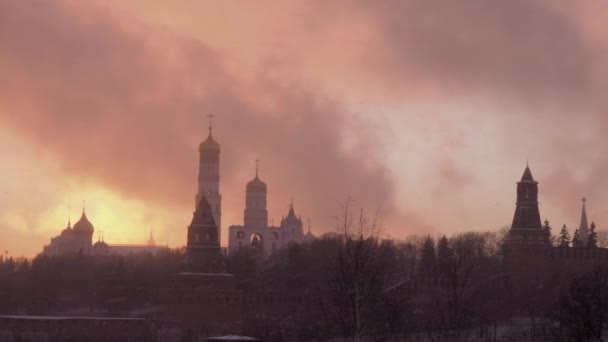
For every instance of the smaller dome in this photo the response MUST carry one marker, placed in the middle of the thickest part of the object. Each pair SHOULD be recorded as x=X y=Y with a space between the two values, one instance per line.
x=256 y=185
x=84 y=225
x=209 y=145
x=101 y=248
x=100 y=244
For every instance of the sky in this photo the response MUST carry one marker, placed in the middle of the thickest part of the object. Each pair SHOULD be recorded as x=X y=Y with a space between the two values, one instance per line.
x=426 y=110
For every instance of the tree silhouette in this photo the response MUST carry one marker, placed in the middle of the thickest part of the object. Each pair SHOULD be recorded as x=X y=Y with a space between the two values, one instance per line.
x=445 y=256
x=592 y=240
x=576 y=240
x=428 y=259
x=583 y=312
x=547 y=230
x=564 y=237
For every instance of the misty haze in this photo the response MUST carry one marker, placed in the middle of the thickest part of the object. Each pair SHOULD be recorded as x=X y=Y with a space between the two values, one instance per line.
x=206 y=170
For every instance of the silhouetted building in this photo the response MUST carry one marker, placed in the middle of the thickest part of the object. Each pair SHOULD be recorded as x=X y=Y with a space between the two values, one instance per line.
x=73 y=240
x=539 y=272
x=203 y=298
x=203 y=244
x=80 y=240
x=209 y=177
x=256 y=233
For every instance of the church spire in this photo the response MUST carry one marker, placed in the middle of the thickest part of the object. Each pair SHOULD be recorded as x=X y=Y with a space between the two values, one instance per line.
x=70 y=213
x=151 y=241
x=583 y=229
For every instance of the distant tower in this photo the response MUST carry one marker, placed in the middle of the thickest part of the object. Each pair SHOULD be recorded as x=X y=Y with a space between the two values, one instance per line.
x=583 y=230
x=209 y=175
x=526 y=227
x=256 y=215
x=203 y=246
x=292 y=226
x=151 y=241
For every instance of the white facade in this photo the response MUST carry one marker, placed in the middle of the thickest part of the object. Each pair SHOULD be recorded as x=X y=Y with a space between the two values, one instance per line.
x=256 y=233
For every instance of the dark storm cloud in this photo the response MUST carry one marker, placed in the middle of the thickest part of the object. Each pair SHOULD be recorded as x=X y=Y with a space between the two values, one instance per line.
x=512 y=47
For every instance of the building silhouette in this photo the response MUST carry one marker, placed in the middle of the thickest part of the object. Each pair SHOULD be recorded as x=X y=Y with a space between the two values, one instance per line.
x=537 y=271
x=256 y=233
x=79 y=240
x=204 y=299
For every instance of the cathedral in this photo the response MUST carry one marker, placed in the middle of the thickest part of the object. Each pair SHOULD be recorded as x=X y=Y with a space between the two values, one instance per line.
x=73 y=240
x=79 y=240
x=255 y=233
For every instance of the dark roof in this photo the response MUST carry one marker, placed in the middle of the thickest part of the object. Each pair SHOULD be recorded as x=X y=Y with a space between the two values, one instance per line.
x=291 y=217
x=256 y=184
x=527 y=176
x=209 y=144
x=203 y=215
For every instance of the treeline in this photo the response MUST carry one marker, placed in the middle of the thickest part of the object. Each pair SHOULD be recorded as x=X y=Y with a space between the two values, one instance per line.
x=354 y=284
x=362 y=286
x=348 y=284
x=85 y=285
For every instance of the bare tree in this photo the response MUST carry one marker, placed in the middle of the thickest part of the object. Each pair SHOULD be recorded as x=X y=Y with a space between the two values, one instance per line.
x=361 y=271
x=602 y=239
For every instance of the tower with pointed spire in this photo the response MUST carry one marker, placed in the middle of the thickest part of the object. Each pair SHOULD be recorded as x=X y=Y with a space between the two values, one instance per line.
x=526 y=227
x=203 y=239
x=583 y=230
x=209 y=175
x=292 y=226
x=256 y=214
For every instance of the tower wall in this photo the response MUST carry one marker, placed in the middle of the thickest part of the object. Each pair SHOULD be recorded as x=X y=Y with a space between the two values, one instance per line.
x=256 y=214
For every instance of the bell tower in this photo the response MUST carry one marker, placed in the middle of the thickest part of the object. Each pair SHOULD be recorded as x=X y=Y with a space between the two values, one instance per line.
x=209 y=176
x=256 y=214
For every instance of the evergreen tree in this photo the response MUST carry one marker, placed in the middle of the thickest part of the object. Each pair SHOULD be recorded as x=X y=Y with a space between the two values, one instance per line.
x=428 y=261
x=592 y=240
x=576 y=241
x=547 y=230
x=564 y=237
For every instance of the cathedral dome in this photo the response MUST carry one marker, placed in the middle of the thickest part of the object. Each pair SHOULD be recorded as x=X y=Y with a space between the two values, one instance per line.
x=209 y=145
x=84 y=225
x=100 y=244
x=67 y=229
x=256 y=185
x=101 y=248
